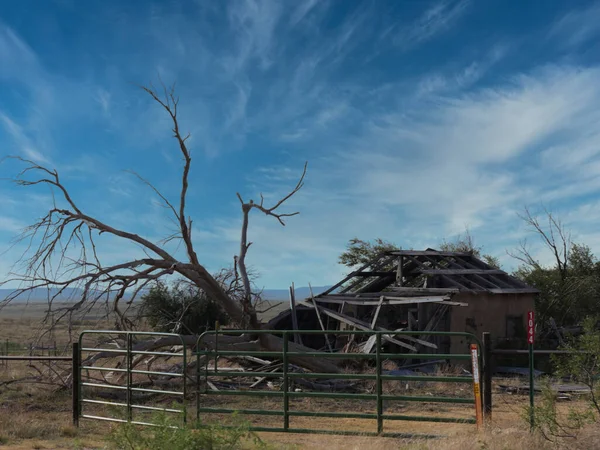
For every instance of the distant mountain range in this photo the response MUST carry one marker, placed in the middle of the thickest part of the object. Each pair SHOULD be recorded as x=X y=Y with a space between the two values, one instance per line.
x=73 y=294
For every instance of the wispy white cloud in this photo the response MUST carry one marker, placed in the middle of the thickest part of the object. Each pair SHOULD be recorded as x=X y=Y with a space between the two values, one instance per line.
x=578 y=26
x=254 y=22
x=435 y=20
x=303 y=8
x=24 y=144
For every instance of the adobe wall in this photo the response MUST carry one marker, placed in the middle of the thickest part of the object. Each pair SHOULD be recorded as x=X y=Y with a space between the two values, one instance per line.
x=487 y=312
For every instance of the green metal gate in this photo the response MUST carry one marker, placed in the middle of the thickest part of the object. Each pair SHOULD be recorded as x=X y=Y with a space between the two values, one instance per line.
x=285 y=394
x=125 y=367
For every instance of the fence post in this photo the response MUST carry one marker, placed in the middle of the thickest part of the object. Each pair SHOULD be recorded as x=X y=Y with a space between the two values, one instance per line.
x=129 y=378
x=76 y=382
x=379 y=388
x=286 y=398
x=487 y=377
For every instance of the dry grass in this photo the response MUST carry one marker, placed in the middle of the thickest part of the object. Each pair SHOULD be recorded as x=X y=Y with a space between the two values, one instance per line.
x=36 y=417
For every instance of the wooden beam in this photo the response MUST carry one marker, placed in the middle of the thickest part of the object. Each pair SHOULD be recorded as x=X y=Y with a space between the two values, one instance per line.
x=514 y=291
x=369 y=344
x=399 y=268
x=297 y=338
x=425 y=253
x=320 y=319
x=376 y=315
x=361 y=326
x=409 y=291
x=459 y=271
x=365 y=324
x=386 y=300
x=377 y=264
x=373 y=274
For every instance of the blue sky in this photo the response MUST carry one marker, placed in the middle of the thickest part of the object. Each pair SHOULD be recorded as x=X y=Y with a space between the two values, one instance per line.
x=417 y=118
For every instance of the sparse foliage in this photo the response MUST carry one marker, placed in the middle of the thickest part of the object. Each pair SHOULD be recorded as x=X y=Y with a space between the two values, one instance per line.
x=570 y=286
x=169 y=434
x=181 y=309
x=359 y=252
x=466 y=244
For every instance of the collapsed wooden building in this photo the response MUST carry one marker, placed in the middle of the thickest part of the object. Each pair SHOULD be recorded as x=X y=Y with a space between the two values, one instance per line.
x=407 y=290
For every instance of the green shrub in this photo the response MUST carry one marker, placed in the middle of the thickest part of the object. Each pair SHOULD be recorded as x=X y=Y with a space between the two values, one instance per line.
x=169 y=434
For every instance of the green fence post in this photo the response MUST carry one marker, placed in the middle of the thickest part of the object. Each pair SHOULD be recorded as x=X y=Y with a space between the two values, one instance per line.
x=198 y=380
x=531 y=389
x=286 y=398
x=379 y=386
x=76 y=383
x=184 y=382
x=487 y=377
x=129 y=378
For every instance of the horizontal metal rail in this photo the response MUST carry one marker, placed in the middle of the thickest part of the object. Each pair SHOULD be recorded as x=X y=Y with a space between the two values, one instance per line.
x=151 y=408
x=507 y=351
x=213 y=353
x=129 y=352
x=350 y=415
x=343 y=376
x=34 y=358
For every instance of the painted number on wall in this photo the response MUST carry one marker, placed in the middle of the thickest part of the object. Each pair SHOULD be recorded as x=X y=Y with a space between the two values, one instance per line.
x=530 y=327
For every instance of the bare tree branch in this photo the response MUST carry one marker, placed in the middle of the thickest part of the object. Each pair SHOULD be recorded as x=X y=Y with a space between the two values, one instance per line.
x=240 y=260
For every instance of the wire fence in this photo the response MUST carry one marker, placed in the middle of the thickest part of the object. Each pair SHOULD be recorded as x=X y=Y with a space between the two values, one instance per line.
x=37 y=349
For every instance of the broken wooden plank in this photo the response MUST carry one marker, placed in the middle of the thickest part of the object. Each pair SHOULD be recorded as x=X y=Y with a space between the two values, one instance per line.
x=386 y=300
x=261 y=379
x=376 y=315
x=399 y=268
x=355 y=323
x=366 y=325
x=409 y=291
x=452 y=303
x=372 y=274
x=425 y=253
x=297 y=338
x=458 y=271
x=212 y=386
x=320 y=319
x=514 y=291
x=369 y=344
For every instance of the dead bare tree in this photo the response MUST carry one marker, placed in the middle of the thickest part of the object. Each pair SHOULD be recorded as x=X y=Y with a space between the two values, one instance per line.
x=554 y=236
x=61 y=248
x=240 y=260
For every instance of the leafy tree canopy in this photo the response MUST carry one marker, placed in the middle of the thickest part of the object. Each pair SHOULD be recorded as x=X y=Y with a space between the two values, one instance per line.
x=359 y=252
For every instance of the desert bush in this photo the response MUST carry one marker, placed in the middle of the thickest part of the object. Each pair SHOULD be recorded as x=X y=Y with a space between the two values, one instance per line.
x=581 y=365
x=169 y=434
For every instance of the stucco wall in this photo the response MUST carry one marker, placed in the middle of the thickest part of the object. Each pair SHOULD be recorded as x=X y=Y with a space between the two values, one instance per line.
x=487 y=312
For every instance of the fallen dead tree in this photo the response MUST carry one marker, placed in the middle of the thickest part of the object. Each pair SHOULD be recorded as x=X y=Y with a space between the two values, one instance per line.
x=63 y=252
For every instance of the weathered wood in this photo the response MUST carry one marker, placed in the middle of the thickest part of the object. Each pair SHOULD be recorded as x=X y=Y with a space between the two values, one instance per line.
x=376 y=265
x=459 y=271
x=371 y=274
x=297 y=338
x=261 y=379
x=410 y=291
x=411 y=321
x=514 y=291
x=376 y=315
x=370 y=344
x=399 y=268
x=362 y=326
x=425 y=253
x=379 y=328
x=452 y=303
x=320 y=319
x=386 y=300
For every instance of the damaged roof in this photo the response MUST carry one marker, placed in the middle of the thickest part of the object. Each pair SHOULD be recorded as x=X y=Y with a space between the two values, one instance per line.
x=417 y=273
